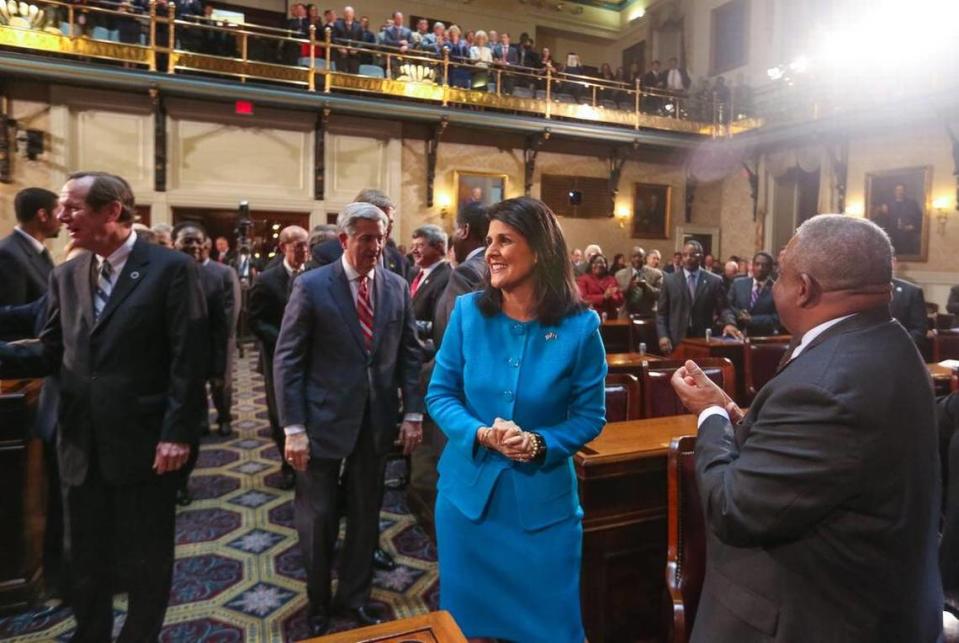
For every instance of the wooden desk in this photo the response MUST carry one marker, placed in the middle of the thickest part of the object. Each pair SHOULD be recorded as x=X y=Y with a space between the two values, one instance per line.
x=23 y=503
x=435 y=627
x=943 y=379
x=629 y=362
x=622 y=488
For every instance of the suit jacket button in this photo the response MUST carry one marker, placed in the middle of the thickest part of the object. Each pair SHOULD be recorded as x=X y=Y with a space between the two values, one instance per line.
x=508 y=395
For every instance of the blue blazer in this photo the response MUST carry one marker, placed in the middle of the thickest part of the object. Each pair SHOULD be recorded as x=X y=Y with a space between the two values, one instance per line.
x=547 y=379
x=324 y=377
x=765 y=319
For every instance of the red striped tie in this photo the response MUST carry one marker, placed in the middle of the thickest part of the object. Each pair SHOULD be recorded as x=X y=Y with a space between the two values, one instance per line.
x=364 y=311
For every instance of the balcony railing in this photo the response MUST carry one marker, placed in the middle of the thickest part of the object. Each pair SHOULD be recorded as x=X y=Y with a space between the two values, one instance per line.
x=158 y=41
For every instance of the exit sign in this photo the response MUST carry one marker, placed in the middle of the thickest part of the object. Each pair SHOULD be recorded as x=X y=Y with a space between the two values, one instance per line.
x=244 y=107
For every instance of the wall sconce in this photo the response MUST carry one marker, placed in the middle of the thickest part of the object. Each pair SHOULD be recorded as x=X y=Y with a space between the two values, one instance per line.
x=856 y=209
x=444 y=202
x=941 y=205
x=622 y=213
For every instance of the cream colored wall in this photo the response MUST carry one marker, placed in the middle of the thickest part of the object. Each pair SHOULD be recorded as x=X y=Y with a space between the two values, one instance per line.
x=762 y=39
x=918 y=145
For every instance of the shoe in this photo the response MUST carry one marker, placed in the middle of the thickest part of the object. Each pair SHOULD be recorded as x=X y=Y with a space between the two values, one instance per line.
x=396 y=483
x=318 y=624
x=382 y=560
x=225 y=430
x=183 y=497
x=204 y=430
x=363 y=615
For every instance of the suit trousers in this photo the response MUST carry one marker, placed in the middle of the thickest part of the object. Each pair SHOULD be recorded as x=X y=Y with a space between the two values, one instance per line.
x=222 y=394
x=125 y=531
x=316 y=519
x=276 y=431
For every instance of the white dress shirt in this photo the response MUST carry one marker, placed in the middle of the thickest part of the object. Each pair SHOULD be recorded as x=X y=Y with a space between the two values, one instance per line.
x=425 y=272
x=807 y=339
x=118 y=259
x=674 y=80
x=353 y=276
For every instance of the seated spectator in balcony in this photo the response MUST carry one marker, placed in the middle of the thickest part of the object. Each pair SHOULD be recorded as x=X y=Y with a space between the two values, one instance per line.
x=677 y=80
x=128 y=29
x=720 y=100
x=314 y=18
x=369 y=40
x=482 y=57
x=527 y=54
x=459 y=53
x=396 y=35
x=329 y=20
x=634 y=76
x=493 y=36
x=599 y=288
x=470 y=37
x=433 y=42
x=606 y=75
x=652 y=81
x=347 y=31
x=422 y=31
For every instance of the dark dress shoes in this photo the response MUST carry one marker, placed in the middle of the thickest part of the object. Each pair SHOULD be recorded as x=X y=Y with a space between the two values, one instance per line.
x=183 y=497
x=225 y=430
x=363 y=615
x=382 y=560
x=288 y=480
x=318 y=624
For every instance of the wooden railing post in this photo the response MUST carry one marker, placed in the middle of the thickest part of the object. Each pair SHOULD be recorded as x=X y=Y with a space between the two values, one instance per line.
x=328 y=70
x=638 y=96
x=549 y=92
x=152 y=59
x=446 y=76
x=71 y=17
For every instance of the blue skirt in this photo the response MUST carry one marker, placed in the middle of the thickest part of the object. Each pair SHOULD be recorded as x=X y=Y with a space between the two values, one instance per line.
x=501 y=581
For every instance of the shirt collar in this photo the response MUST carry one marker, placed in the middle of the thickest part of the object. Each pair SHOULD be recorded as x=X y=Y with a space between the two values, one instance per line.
x=351 y=272
x=760 y=284
x=119 y=256
x=430 y=268
x=688 y=273
x=289 y=269
x=815 y=332
x=475 y=252
x=38 y=246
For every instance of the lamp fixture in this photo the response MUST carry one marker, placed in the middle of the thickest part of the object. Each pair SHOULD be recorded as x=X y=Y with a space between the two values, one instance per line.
x=941 y=206
x=443 y=201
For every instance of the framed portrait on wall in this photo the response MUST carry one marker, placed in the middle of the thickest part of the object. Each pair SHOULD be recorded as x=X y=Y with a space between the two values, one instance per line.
x=651 y=205
x=707 y=236
x=898 y=201
x=478 y=187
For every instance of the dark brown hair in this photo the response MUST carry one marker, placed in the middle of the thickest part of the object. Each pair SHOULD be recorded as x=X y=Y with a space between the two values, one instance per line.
x=107 y=188
x=556 y=293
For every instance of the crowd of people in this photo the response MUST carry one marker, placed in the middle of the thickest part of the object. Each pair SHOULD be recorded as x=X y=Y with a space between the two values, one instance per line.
x=485 y=348
x=483 y=59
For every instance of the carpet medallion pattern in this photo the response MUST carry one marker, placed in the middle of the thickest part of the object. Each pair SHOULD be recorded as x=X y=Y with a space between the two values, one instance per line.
x=238 y=575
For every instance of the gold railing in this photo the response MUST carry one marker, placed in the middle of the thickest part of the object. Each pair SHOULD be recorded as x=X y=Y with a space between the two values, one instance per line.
x=160 y=41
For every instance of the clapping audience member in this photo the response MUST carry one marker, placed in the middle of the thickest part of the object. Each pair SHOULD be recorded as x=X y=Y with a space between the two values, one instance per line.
x=640 y=284
x=506 y=471
x=482 y=57
x=751 y=307
x=599 y=288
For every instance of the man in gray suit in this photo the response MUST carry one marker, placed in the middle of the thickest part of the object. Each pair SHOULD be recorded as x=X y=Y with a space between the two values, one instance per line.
x=690 y=302
x=221 y=389
x=347 y=346
x=641 y=284
x=822 y=503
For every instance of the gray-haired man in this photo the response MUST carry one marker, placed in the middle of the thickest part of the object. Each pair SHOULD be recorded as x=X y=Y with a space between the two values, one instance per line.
x=347 y=346
x=432 y=273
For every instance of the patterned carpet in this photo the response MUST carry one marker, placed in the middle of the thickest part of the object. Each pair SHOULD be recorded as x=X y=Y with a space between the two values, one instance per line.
x=238 y=574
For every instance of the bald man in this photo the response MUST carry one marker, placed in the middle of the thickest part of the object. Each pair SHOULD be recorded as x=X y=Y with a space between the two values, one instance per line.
x=268 y=298
x=822 y=503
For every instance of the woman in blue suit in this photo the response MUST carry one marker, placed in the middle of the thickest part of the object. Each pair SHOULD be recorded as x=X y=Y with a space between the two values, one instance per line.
x=518 y=388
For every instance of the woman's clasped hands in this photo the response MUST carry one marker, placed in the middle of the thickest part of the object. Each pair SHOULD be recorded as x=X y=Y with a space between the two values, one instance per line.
x=506 y=437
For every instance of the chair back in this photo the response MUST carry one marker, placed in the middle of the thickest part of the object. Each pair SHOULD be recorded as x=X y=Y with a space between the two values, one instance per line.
x=659 y=398
x=686 y=539
x=616 y=337
x=644 y=332
x=622 y=397
x=761 y=360
x=945 y=345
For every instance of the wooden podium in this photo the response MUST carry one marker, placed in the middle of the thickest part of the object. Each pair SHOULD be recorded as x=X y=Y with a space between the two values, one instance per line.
x=435 y=627
x=622 y=488
x=23 y=502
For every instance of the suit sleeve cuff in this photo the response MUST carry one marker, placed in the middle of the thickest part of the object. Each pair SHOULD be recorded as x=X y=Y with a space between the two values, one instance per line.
x=709 y=412
x=294 y=429
x=413 y=417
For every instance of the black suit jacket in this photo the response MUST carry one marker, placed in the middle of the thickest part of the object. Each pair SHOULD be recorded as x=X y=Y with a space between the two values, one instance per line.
x=429 y=291
x=952 y=305
x=331 y=250
x=764 y=320
x=677 y=317
x=344 y=34
x=218 y=326
x=822 y=506
x=266 y=304
x=129 y=380
x=908 y=307
x=23 y=271
x=24 y=320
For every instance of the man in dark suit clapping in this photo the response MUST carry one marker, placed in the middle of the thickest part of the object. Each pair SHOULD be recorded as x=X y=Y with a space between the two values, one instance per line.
x=751 y=307
x=25 y=263
x=268 y=298
x=125 y=327
x=690 y=301
x=346 y=348
x=822 y=504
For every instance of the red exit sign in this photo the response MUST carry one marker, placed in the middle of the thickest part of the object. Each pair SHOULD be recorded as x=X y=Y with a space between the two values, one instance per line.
x=243 y=107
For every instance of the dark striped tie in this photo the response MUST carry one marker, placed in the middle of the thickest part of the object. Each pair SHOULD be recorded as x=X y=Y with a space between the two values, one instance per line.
x=364 y=311
x=104 y=286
